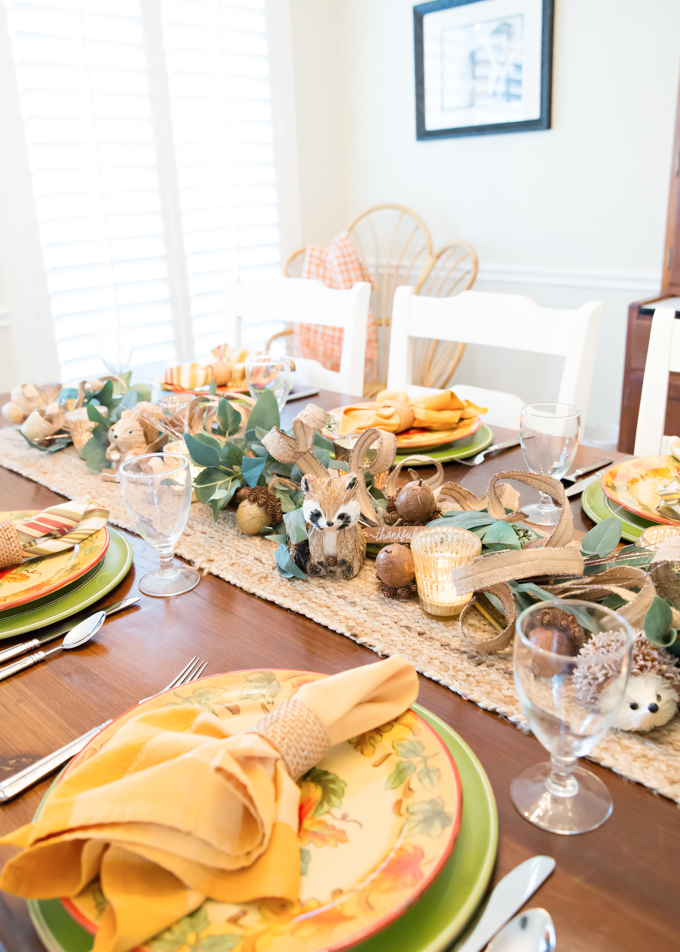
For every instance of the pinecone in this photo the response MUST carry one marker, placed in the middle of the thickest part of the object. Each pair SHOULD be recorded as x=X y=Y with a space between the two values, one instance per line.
x=299 y=553
x=265 y=499
x=408 y=591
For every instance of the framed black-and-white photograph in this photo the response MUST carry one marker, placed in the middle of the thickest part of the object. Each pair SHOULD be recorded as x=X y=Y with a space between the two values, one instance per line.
x=482 y=66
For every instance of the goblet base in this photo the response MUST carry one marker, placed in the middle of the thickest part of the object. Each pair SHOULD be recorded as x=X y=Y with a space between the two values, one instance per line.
x=542 y=517
x=164 y=586
x=587 y=809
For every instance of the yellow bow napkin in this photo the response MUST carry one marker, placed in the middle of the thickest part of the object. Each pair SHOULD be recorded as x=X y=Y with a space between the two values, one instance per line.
x=394 y=411
x=180 y=805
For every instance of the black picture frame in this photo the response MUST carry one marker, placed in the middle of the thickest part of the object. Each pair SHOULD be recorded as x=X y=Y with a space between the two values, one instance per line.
x=527 y=125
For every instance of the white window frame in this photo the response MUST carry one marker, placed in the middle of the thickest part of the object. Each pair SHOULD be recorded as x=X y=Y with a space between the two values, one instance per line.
x=21 y=258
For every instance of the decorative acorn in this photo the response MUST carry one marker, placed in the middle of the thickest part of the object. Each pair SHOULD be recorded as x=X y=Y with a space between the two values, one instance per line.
x=394 y=569
x=415 y=503
x=559 y=632
x=259 y=508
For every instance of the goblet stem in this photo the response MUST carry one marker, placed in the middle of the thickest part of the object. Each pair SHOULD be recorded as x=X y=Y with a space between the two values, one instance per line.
x=561 y=783
x=168 y=568
x=546 y=504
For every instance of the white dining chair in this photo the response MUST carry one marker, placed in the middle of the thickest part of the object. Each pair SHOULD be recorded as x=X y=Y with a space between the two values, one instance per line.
x=499 y=320
x=301 y=301
x=663 y=356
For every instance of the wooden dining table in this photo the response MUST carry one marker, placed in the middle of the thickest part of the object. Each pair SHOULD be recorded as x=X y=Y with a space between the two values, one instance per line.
x=613 y=890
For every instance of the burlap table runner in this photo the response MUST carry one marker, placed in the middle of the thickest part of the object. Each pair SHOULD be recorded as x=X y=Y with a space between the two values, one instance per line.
x=355 y=609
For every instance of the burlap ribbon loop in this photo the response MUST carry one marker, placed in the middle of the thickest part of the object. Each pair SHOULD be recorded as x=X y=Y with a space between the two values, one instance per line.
x=297 y=733
x=11 y=552
x=297 y=449
x=386 y=451
x=491 y=573
x=468 y=502
x=504 y=637
x=563 y=532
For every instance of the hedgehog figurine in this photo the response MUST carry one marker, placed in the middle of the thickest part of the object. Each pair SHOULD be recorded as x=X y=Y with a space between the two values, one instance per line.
x=653 y=689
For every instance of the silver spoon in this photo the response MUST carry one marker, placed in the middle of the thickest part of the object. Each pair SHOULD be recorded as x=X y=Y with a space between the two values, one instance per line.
x=76 y=637
x=530 y=931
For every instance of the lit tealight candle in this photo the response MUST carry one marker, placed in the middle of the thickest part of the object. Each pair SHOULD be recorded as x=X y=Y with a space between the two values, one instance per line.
x=436 y=552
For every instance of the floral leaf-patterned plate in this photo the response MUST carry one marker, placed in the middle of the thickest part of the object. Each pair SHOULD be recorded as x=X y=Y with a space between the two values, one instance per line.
x=634 y=484
x=36 y=578
x=72 y=598
x=378 y=819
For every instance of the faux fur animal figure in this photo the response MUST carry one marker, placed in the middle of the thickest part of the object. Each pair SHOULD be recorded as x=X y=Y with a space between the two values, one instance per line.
x=331 y=509
x=653 y=688
x=134 y=433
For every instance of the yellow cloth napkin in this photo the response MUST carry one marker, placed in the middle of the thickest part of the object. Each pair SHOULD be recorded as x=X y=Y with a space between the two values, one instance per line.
x=394 y=411
x=180 y=805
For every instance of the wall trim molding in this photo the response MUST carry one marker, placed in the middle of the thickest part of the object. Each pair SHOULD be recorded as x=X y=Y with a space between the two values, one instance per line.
x=4 y=318
x=612 y=280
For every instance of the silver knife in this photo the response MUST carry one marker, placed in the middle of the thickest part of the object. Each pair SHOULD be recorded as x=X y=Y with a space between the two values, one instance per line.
x=584 y=470
x=584 y=483
x=25 y=646
x=25 y=778
x=509 y=895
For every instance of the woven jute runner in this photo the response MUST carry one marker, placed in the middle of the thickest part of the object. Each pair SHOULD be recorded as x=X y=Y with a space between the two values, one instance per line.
x=355 y=609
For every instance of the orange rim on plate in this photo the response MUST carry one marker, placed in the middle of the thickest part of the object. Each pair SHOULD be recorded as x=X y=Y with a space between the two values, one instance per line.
x=634 y=483
x=36 y=578
x=363 y=882
x=417 y=438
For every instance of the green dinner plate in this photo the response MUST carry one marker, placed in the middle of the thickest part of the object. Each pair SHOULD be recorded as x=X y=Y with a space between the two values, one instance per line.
x=598 y=506
x=115 y=566
x=452 y=451
x=430 y=925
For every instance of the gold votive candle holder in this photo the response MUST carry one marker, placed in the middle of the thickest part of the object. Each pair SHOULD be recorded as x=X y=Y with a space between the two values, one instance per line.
x=654 y=536
x=436 y=552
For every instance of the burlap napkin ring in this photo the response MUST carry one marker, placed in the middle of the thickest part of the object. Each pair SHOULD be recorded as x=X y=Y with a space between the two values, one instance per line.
x=297 y=733
x=11 y=552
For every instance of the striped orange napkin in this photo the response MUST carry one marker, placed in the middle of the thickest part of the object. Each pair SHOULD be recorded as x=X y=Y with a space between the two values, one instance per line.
x=53 y=530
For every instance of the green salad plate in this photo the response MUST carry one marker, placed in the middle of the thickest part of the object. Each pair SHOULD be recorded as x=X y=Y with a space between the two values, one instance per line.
x=599 y=506
x=459 y=449
x=110 y=572
x=430 y=925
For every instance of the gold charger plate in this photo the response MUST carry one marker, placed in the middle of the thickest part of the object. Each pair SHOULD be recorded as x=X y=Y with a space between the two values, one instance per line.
x=634 y=484
x=378 y=818
x=39 y=577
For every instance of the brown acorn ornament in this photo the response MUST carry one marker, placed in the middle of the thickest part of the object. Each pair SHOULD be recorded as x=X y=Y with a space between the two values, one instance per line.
x=259 y=508
x=395 y=571
x=415 y=503
x=556 y=631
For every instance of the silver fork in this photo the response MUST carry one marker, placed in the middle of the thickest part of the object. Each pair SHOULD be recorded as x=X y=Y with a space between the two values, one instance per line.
x=23 y=779
x=496 y=448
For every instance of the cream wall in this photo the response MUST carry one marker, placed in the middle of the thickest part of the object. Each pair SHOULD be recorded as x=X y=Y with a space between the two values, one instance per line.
x=572 y=214
x=8 y=375
x=319 y=64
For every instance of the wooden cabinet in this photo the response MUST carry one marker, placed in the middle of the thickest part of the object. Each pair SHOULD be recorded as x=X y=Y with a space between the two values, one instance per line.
x=640 y=319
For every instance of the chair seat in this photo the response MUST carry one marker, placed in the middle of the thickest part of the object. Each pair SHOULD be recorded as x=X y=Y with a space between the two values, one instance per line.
x=503 y=409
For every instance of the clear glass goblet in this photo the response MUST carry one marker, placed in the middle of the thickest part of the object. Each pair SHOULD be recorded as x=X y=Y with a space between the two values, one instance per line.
x=156 y=491
x=115 y=350
x=549 y=434
x=570 y=684
x=268 y=372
